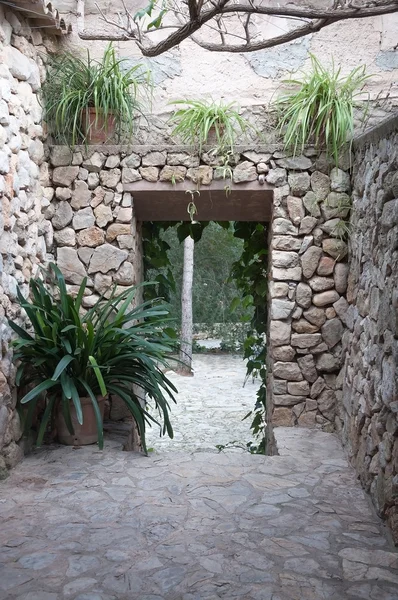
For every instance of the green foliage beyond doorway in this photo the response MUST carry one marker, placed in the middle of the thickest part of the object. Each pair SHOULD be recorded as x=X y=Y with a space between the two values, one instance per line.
x=230 y=285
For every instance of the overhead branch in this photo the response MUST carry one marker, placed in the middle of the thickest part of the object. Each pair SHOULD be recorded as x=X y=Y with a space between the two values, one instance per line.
x=195 y=15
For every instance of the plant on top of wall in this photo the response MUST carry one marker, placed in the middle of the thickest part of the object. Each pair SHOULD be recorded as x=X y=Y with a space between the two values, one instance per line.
x=200 y=122
x=93 y=101
x=321 y=110
x=75 y=360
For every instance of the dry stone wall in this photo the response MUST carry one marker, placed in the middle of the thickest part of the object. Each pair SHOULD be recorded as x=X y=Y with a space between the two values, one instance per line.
x=25 y=236
x=368 y=411
x=308 y=279
x=95 y=232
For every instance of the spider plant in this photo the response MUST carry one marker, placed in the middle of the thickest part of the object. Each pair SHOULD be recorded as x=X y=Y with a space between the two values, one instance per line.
x=321 y=110
x=75 y=85
x=108 y=350
x=197 y=120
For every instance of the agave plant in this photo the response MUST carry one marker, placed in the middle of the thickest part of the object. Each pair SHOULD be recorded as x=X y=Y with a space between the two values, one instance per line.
x=74 y=85
x=196 y=120
x=108 y=350
x=321 y=110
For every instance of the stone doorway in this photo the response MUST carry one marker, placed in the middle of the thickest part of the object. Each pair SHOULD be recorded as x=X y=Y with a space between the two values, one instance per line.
x=211 y=407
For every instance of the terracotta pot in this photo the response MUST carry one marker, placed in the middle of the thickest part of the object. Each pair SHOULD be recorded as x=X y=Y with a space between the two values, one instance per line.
x=212 y=136
x=84 y=434
x=96 y=129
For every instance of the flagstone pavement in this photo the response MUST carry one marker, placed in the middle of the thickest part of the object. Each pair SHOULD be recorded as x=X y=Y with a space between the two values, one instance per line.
x=80 y=524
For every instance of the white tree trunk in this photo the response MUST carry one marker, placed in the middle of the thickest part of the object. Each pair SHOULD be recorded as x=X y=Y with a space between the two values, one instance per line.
x=186 y=309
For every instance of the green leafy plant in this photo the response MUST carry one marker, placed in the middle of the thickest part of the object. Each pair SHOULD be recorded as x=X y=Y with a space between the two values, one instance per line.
x=108 y=350
x=197 y=120
x=321 y=110
x=74 y=85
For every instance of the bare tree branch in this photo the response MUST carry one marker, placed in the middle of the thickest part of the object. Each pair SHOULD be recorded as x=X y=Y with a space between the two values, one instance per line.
x=197 y=15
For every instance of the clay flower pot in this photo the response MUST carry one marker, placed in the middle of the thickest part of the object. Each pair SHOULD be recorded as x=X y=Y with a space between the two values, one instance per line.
x=84 y=434
x=96 y=128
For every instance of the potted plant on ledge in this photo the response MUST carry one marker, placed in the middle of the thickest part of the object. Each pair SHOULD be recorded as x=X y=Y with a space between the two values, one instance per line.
x=93 y=101
x=200 y=122
x=75 y=360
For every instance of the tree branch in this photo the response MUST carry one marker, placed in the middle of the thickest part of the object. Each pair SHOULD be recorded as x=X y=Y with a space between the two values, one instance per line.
x=196 y=18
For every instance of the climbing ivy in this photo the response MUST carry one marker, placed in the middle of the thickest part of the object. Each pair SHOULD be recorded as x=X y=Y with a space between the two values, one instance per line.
x=250 y=276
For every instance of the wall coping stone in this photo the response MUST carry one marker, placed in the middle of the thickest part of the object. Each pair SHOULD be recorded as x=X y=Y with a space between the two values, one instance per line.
x=376 y=133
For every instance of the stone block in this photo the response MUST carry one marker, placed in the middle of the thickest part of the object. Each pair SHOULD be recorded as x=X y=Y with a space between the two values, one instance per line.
x=295 y=209
x=202 y=175
x=81 y=195
x=327 y=363
x=83 y=218
x=91 y=237
x=303 y=295
x=85 y=254
x=244 y=171
x=154 y=159
x=321 y=284
x=295 y=163
x=299 y=183
x=303 y=326
x=70 y=264
x=95 y=163
x=182 y=159
x=287 y=400
x=117 y=229
x=320 y=185
x=325 y=298
x=124 y=215
x=332 y=332
x=298 y=388
x=282 y=226
x=326 y=266
x=287 y=370
x=284 y=259
x=125 y=275
x=278 y=289
x=130 y=175
x=110 y=178
x=103 y=215
x=106 y=258
x=173 y=174
x=149 y=173
x=292 y=274
x=63 y=215
x=65 y=237
x=65 y=176
x=305 y=340
x=281 y=309
x=341 y=277
x=132 y=161
x=279 y=334
x=277 y=177
x=112 y=162
x=310 y=202
x=339 y=180
x=307 y=225
x=283 y=353
x=310 y=260
x=285 y=242
x=307 y=367
x=61 y=156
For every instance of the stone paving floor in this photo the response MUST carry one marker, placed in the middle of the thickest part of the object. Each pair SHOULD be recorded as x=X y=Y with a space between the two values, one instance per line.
x=80 y=524
x=210 y=406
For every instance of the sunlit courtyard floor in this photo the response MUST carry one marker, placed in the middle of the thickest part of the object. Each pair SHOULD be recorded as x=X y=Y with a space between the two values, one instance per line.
x=210 y=407
x=80 y=524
